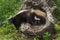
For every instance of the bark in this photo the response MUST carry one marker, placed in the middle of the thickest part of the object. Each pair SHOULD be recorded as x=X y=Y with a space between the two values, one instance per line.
x=48 y=5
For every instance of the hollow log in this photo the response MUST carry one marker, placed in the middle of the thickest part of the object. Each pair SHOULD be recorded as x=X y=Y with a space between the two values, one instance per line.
x=31 y=22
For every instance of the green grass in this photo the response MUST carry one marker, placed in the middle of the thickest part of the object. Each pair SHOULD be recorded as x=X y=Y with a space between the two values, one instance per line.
x=8 y=8
x=56 y=13
x=57 y=28
x=57 y=16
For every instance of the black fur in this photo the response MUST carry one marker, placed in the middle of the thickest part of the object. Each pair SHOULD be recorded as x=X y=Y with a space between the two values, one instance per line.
x=18 y=19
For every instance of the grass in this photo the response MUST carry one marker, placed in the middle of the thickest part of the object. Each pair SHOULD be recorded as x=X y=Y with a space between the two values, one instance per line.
x=57 y=27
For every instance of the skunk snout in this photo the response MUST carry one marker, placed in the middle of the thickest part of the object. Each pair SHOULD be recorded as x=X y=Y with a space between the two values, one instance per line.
x=11 y=20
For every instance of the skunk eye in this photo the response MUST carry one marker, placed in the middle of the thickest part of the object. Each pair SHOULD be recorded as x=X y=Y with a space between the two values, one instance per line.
x=36 y=18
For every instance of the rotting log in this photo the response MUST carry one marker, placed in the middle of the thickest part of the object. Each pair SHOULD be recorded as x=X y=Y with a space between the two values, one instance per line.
x=27 y=27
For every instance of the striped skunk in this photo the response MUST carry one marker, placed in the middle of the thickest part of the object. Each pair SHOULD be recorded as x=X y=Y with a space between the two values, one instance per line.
x=32 y=16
